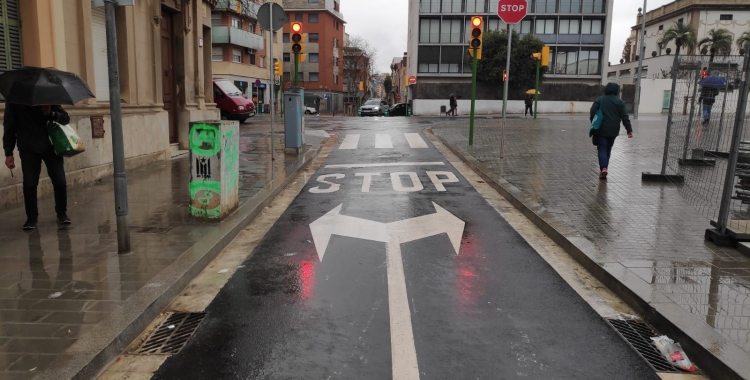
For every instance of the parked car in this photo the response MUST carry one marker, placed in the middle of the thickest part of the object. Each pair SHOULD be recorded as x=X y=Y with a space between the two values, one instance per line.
x=398 y=109
x=373 y=107
x=234 y=105
x=310 y=111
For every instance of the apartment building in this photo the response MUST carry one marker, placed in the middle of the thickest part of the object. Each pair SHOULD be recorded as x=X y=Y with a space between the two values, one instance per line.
x=577 y=32
x=400 y=79
x=321 y=74
x=240 y=48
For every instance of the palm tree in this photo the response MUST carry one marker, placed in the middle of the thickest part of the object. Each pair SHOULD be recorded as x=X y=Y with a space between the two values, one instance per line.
x=743 y=40
x=717 y=41
x=682 y=35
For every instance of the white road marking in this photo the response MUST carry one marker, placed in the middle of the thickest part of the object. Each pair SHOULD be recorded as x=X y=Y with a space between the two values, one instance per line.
x=333 y=187
x=383 y=141
x=403 y=351
x=416 y=184
x=415 y=140
x=350 y=141
x=449 y=177
x=385 y=164
x=366 y=181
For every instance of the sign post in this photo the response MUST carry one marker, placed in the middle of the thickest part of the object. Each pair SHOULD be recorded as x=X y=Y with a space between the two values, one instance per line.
x=511 y=12
x=271 y=24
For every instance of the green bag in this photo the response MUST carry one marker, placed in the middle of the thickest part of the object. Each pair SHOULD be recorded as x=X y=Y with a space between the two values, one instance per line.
x=65 y=140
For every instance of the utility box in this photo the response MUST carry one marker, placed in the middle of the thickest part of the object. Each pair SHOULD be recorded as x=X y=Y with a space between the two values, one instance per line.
x=214 y=168
x=294 y=120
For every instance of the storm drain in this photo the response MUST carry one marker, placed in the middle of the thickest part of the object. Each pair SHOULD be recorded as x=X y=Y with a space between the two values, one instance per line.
x=638 y=335
x=172 y=335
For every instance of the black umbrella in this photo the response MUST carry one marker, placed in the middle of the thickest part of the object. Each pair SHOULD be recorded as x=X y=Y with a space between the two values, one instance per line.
x=34 y=86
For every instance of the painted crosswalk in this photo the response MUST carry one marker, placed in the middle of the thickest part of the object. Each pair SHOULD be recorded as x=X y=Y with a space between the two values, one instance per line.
x=383 y=141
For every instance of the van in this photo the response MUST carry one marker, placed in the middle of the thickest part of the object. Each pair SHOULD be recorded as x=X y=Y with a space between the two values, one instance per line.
x=234 y=105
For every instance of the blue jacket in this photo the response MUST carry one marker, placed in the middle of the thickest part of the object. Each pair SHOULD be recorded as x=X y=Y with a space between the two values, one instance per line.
x=613 y=111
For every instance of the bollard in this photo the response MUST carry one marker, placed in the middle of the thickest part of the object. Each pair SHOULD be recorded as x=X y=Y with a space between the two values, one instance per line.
x=387 y=111
x=214 y=168
x=359 y=112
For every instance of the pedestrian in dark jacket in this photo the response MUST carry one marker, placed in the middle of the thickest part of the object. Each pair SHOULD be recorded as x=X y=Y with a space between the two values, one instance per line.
x=613 y=112
x=707 y=99
x=453 y=104
x=27 y=127
x=529 y=101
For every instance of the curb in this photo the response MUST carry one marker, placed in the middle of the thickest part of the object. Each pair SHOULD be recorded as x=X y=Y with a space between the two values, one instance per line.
x=714 y=354
x=93 y=352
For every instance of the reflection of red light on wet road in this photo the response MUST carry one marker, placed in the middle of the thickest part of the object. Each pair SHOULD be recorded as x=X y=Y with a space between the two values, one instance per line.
x=306 y=279
x=467 y=278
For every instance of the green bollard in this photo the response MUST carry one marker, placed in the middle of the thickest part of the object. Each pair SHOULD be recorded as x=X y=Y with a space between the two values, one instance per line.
x=386 y=112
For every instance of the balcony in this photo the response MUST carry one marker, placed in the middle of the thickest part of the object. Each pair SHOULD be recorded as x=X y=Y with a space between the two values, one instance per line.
x=247 y=8
x=235 y=36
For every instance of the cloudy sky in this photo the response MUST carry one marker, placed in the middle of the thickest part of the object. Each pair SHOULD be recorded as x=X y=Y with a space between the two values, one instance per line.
x=385 y=25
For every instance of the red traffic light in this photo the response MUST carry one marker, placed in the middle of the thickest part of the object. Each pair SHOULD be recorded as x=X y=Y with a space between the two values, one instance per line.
x=296 y=27
x=704 y=73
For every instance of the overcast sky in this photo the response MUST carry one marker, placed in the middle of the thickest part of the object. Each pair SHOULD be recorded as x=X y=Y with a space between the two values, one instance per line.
x=384 y=24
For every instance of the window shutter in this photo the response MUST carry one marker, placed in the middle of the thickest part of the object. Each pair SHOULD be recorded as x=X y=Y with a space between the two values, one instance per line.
x=10 y=36
x=101 y=65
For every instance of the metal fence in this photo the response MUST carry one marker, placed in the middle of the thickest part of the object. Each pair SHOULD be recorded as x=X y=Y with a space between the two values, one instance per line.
x=708 y=137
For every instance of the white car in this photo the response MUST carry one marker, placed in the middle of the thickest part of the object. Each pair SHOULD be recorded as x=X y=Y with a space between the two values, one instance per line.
x=310 y=111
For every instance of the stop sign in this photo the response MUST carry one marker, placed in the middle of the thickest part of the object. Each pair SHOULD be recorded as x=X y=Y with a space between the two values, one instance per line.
x=512 y=11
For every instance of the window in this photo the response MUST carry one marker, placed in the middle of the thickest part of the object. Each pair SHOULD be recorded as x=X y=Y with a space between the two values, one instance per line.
x=314 y=77
x=593 y=6
x=236 y=23
x=569 y=26
x=286 y=17
x=450 y=59
x=588 y=62
x=252 y=57
x=287 y=76
x=313 y=38
x=335 y=79
x=728 y=17
x=591 y=27
x=545 y=6
x=496 y=24
x=301 y=76
x=298 y=17
x=286 y=38
x=476 y=6
x=523 y=27
x=570 y=6
x=287 y=57
x=215 y=19
x=429 y=59
x=661 y=27
x=451 y=31
x=217 y=54
x=312 y=1
x=452 y=6
x=544 y=26
x=429 y=30
x=312 y=17
x=313 y=58
x=236 y=55
x=429 y=6
x=566 y=60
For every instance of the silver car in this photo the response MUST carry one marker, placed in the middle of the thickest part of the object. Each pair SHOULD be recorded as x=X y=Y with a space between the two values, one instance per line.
x=373 y=107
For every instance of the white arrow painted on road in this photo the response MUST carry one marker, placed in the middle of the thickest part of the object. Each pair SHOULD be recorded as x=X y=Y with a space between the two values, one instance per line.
x=403 y=352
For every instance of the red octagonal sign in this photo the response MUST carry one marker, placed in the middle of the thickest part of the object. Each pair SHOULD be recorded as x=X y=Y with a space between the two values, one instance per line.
x=512 y=11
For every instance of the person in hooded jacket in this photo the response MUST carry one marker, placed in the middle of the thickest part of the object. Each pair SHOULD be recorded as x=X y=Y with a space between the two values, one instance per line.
x=613 y=112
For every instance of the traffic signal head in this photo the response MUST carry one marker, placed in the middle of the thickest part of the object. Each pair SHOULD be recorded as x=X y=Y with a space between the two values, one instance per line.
x=704 y=72
x=278 y=68
x=296 y=37
x=505 y=75
x=545 y=56
x=475 y=42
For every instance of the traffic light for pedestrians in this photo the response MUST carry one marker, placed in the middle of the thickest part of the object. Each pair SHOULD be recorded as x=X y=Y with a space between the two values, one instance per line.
x=475 y=42
x=704 y=72
x=278 y=68
x=296 y=37
x=505 y=75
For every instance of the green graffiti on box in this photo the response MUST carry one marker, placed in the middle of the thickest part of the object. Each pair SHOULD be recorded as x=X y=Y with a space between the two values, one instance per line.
x=205 y=140
x=205 y=199
x=231 y=155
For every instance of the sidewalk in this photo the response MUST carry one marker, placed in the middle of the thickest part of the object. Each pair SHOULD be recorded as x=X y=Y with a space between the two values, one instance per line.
x=642 y=240
x=68 y=301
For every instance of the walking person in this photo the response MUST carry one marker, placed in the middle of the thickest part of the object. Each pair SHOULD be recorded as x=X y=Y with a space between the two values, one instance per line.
x=707 y=100
x=613 y=112
x=453 y=105
x=529 y=101
x=27 y=127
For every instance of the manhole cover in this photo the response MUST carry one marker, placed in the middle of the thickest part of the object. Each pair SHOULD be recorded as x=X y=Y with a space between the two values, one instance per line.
x=171 y=335
x=638 y=335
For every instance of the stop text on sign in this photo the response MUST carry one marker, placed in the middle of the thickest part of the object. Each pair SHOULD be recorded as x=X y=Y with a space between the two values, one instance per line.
x=512 y=8
x=512 y=11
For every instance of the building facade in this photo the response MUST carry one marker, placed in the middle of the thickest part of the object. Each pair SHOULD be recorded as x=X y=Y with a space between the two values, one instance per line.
x=400 y=79
x=577 y=32
x=164 y=51
x=240 y=50
x=321 y=74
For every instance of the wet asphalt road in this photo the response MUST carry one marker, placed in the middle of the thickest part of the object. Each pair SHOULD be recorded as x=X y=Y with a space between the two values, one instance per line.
x=495 y=310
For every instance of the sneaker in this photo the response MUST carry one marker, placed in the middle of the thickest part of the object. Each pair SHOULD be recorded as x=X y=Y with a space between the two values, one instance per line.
x=29 y=225
x=63 y=219
x=603 y=174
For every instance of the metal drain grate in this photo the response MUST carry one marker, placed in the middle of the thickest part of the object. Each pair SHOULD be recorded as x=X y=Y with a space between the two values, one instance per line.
x=172 y=335
x=638 y=335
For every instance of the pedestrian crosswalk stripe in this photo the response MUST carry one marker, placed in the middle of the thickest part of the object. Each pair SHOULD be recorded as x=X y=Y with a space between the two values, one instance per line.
x=350 y=142
x=415 y=140
x=383 y=141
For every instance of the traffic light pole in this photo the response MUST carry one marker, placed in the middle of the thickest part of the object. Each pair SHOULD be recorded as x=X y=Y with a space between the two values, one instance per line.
x=473 y=96
x=536 y=88
x=505 y=93
x=296 y=67
x=273 y=82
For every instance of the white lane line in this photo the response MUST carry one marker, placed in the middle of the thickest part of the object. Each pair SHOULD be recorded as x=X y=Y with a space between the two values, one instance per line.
x=415 y=140
x=385 y=164
x=383 y=141
x=350 y=141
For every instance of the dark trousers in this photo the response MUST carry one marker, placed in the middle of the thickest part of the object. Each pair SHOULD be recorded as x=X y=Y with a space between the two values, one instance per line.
x=604 y=146
x=528 y=109
x=31 y=165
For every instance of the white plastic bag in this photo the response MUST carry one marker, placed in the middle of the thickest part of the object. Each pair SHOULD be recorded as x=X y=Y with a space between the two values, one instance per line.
x=673 y=352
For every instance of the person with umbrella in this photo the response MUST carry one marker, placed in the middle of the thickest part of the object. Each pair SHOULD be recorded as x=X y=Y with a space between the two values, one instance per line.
x=33 y=97
x=453 y=104
x=709 y=91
